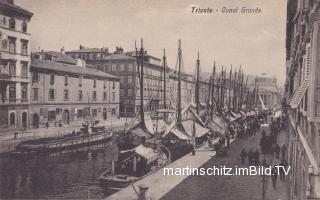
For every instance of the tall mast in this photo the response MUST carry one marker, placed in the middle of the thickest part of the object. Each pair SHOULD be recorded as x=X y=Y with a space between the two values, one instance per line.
x=179 y=85
x=229 y=88
x=141 y=81
x=212 y=87
x=197 y=84
x=164 y=79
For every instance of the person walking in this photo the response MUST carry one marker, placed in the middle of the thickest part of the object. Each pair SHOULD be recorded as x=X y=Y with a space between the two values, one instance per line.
x=257 y=157
x=228 y=141
x=283 y=151
x=281 y=170
x=243 y=156
x=250 y=155
x=274 y=176
x=277 y=150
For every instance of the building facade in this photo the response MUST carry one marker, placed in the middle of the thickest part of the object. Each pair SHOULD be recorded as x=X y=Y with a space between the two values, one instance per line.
x=302 y=95
x=124 y=65
x=63 y=94
x=14 y=65
x=267 y=88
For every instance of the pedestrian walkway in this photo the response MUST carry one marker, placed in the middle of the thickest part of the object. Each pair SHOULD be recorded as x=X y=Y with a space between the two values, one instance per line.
x=160 y=184
x=240 y=187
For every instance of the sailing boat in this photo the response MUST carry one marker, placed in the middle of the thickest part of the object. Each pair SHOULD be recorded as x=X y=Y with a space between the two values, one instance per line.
x=179 y=135
x=139 y=159
x=138 y=132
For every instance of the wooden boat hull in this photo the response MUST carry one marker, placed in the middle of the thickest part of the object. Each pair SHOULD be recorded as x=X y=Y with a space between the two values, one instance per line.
x=115 y=182
x=66 y=144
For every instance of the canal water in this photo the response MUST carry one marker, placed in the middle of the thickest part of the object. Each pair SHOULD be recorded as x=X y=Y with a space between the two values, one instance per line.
x=71 y=175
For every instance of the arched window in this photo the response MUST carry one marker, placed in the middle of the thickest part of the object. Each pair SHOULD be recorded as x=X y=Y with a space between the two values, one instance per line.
x=24 y=27
x=12 y=23
x=12 y=119
x=24 y=47
x=104 y=113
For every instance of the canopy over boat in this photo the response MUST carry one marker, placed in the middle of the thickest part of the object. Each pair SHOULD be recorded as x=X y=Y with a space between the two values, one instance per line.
x=215 y=127
x=235 y=115
x=148 y=153
x=192 y=127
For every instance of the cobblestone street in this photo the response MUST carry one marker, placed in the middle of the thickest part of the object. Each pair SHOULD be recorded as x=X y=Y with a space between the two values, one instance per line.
x=232 y=187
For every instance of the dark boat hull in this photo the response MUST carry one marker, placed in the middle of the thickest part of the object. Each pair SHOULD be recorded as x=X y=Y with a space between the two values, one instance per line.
x=64 y=145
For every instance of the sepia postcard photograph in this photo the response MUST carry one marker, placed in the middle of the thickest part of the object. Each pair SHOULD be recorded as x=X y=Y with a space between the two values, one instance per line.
x=160 y=99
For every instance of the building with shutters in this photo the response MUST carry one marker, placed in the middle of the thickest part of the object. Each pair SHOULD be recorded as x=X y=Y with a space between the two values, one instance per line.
x=14 y=66
x=64 y=90
x=302 y=92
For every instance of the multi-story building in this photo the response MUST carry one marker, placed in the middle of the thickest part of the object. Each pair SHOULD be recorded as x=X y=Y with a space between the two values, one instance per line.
x=302 y=94
x=267 y=88
x=14 y=65
x=124 y=66
x=66 y=93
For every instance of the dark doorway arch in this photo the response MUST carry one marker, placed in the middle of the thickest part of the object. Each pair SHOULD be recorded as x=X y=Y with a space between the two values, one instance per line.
x=24 y=120
x=12 y=119
x=66 y=116
x=35 y=120
x=104 y=113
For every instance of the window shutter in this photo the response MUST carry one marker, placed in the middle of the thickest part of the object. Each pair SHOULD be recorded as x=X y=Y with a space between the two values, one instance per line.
x=308 y=62
x=55 y=94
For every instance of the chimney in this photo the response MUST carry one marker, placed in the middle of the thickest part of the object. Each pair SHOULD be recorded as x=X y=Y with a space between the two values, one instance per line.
x=62 y=50
x=81 y=47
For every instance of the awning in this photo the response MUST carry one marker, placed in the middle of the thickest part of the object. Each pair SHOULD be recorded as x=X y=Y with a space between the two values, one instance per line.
x=232 y=119
x=190 y=127
x=139 y=132
x=214 y=127
x=149 y=123
x=179 y=134
x=165 y=111
x=147 y=153
x=235 y=115
x=299 y=94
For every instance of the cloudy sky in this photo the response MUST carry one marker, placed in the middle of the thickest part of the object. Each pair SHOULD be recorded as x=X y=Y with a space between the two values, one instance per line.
x=255 y=41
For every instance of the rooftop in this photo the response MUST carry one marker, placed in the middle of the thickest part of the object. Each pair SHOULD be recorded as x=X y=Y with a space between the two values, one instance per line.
x=88 y=50
x=9 y=6
x=74 y=69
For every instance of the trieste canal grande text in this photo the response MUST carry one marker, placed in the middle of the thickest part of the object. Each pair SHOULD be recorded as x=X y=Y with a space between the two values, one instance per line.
x=242 y=10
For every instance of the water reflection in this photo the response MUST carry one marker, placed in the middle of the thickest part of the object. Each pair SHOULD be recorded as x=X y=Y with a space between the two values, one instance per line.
x=61 y=175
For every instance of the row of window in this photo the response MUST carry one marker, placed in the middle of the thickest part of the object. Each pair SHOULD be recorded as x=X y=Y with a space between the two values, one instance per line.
x=117 y=68
x=12 y=91
x=91 y=56
x=10 y=45
x=128 y=78
x=52 y=95
x=36 y=78
x=81 y=113
x=10 y=69
x=12 y=24
x=122 y=92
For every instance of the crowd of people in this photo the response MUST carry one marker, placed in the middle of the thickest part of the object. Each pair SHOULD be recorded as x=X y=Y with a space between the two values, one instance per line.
x=276 y=151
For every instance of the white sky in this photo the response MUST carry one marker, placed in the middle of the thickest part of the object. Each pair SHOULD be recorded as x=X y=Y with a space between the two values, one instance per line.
x=256 y=41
